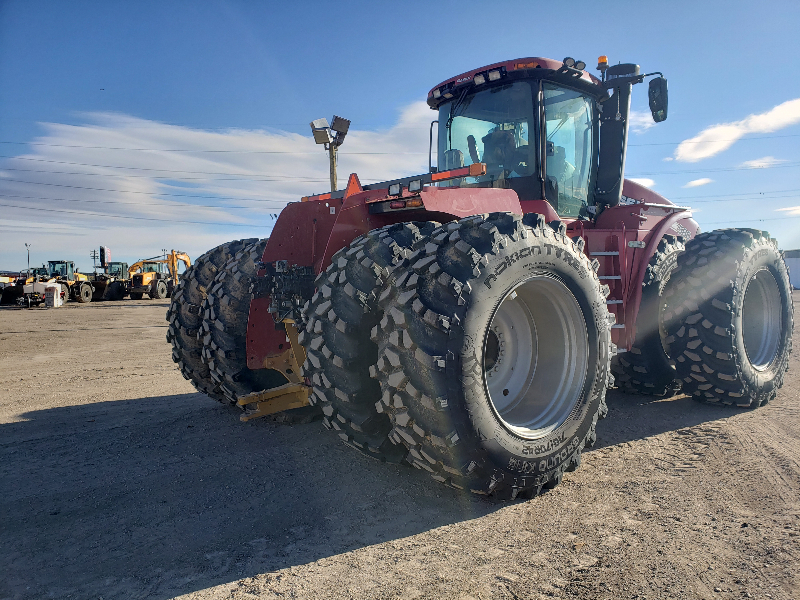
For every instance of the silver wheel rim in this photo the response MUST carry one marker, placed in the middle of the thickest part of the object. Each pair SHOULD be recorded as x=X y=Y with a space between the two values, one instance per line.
x=761 y=319
x=535 y=357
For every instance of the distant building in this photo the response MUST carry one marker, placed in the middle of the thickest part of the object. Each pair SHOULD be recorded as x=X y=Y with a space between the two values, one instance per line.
x=793 y=262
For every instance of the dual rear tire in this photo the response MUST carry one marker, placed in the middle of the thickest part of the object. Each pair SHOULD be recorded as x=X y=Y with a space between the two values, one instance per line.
x=491 y=354
x=728 y=318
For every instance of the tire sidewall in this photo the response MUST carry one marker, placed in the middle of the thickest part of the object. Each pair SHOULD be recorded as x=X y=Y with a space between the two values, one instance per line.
x=506 y=270
x=762 y=382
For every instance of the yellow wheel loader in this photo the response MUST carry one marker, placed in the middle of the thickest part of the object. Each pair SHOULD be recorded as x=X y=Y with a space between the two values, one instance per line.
x=156 y=277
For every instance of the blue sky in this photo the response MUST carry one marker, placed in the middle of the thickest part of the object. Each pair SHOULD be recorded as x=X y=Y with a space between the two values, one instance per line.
x=166 y=82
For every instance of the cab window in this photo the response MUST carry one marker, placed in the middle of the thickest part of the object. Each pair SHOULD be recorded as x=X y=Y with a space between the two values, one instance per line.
x=569 y=149
x=493 y=127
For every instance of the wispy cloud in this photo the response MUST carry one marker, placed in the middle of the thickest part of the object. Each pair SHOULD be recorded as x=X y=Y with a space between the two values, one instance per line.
x=718 y=138
x=698 y=182
x=762 y=163
x=140 y=185
x=648 y=183
x=792 y=211
x=640 y=121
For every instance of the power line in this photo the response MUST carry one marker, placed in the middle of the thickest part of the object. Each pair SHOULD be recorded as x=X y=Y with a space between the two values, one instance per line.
x=192 y=150
x=739 y=139
x=754 y=220
x=737 y=194
x=689 y=141
x=166 y=221
x=278 y=178
x=164 y=204
x=77 y=164
x=78 y=187
x=678 y=172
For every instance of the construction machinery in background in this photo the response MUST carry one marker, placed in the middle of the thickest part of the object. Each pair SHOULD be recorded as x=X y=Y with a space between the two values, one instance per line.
x=156 y=277
x=467 y=321
x=75 y=286
x=29 y=288
x=112 y=283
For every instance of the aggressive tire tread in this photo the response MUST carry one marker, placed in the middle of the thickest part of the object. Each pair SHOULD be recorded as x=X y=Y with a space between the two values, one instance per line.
x=646 y=368
x=185 y=317
x=703 y=310
x=341 y=357
x=413 y=338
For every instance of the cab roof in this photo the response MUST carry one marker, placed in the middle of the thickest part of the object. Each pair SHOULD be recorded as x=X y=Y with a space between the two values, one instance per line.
x=518 y=64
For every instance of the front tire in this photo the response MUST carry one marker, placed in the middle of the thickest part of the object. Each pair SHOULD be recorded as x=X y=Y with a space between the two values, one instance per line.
x=494 y=354
x=729 y=317
x=84 y=294
x=158 y=290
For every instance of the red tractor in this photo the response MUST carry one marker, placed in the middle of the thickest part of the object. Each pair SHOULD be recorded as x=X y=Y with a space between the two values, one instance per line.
x=468 y=321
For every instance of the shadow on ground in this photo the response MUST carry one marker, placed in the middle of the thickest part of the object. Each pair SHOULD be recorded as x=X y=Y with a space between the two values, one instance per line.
x=160 y=496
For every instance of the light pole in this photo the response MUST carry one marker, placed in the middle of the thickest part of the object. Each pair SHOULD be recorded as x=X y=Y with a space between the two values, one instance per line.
x=28 y=248
x=331 y=136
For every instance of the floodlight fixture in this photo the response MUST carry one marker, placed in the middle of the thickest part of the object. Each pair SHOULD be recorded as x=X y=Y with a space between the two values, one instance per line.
x=340 y=125
x=321 y=131
x=322 y=136
x=332 y=137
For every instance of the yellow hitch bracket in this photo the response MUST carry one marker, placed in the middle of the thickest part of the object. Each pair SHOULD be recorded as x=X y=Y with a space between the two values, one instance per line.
x=294 y=394
x=290 y=361
x=268 y=402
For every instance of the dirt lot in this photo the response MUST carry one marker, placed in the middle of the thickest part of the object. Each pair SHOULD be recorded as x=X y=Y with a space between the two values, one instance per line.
x=120 y=481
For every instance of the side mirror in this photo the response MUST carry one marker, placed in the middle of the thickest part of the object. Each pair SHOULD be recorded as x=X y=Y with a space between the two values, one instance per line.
x=657 y=94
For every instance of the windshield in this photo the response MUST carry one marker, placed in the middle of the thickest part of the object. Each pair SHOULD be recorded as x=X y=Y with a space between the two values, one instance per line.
x=568 y=116
x=59 y=269
x=492 y=127
x=151 y=268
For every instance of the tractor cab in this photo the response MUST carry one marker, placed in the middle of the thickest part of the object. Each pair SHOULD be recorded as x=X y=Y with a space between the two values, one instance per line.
x=117 y=269
x=545 y=129
x=61 y=269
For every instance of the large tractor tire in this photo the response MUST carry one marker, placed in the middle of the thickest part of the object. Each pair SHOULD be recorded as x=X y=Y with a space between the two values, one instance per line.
x=186 y=319
x=341 y=358
x=84 y=294
x=728 y=317
x=158 y=290
x=136 y=295
x=225 y=312
x=647 y=369
x=494 y=353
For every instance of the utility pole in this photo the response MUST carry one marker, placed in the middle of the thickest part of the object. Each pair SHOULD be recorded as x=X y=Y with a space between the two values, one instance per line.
x=28 y=248
x=93 y=255
x=332 y=155
x=331 y=136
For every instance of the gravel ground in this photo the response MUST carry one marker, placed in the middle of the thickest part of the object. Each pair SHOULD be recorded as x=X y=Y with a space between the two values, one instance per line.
x=120 y=481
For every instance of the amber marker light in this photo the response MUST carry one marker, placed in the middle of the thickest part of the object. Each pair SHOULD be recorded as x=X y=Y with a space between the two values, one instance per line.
x=602 y=63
